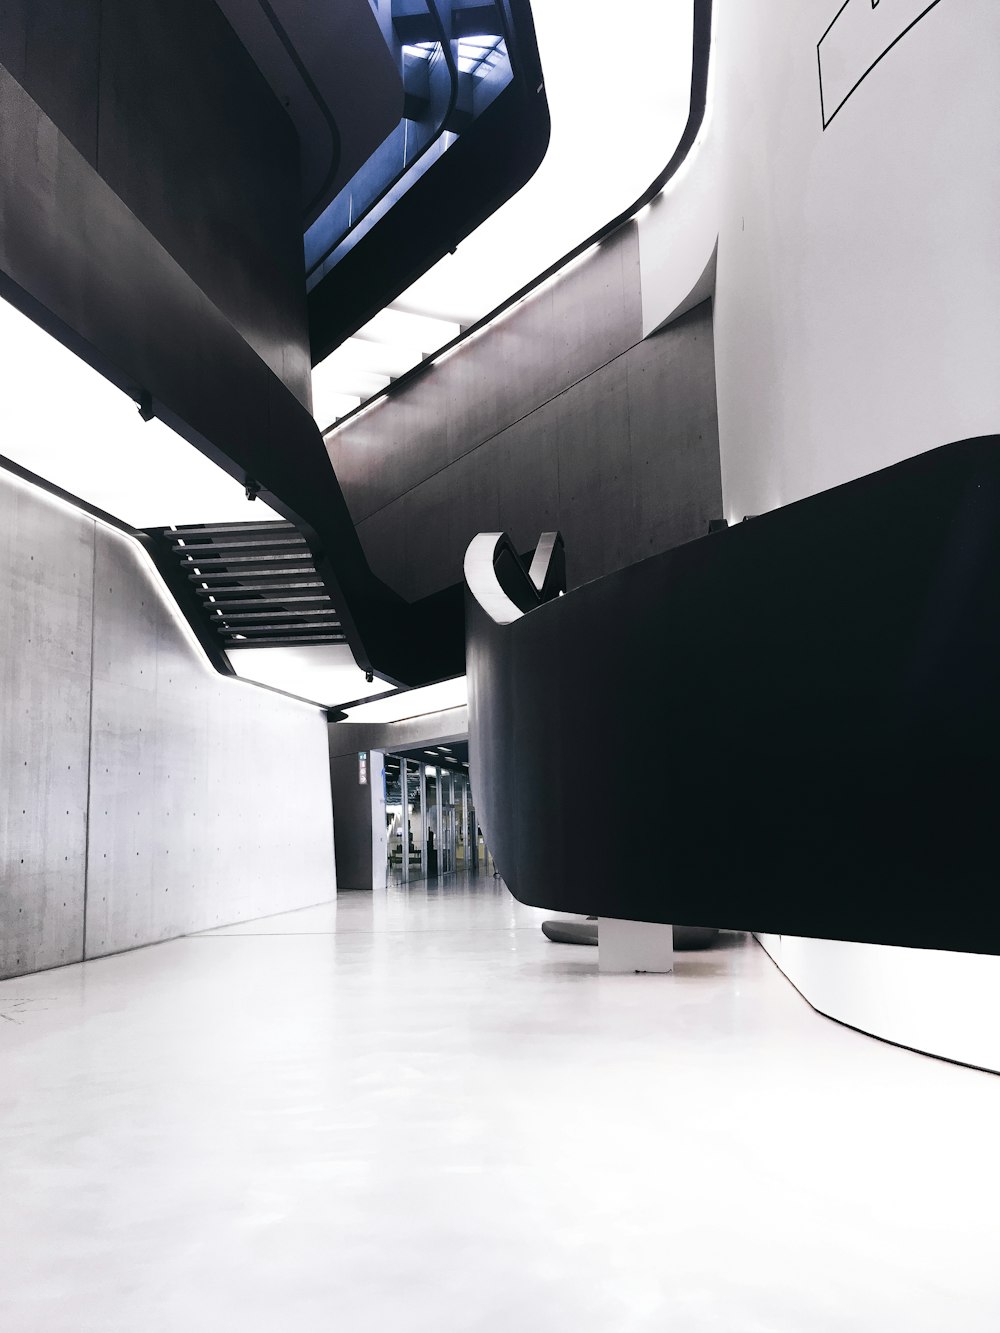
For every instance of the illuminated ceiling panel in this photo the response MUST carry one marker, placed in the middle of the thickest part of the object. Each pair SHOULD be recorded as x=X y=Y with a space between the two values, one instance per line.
x=326 y=673
x=63 y=421
x=413 y=703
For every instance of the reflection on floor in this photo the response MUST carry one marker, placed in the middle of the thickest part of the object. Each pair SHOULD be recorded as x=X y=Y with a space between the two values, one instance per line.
x=412 y=1112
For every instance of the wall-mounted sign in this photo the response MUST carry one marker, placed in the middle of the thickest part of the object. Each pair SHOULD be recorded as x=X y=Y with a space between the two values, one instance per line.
x=363 y=768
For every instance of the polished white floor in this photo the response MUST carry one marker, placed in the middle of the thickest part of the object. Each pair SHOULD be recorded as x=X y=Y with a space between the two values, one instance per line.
x=413 y=1113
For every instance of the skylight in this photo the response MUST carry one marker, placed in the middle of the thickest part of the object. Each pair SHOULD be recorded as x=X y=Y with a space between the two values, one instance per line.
x=473 y=55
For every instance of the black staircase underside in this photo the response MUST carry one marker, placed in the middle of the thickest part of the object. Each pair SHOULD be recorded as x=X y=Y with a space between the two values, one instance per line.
x=255 y=584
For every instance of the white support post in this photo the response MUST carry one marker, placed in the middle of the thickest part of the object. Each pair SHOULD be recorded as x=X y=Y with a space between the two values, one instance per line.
x=634 y=946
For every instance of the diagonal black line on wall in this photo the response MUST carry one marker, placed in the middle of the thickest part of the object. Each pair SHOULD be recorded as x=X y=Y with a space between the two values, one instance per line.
x=827 y=114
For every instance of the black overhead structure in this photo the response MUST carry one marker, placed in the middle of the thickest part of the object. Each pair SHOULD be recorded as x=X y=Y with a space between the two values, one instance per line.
x=818 y=692
x=425 y=190
x=252 y=585
x=209 y=328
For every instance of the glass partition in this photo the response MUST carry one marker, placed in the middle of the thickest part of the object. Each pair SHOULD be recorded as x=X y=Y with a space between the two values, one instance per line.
x=432 y=832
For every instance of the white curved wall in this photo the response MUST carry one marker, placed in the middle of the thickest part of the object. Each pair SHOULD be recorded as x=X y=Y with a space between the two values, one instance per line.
x=941 y=1003
x=857 y=323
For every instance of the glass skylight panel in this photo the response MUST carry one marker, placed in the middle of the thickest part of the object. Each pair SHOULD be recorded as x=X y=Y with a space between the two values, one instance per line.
x=469 y=52
x=386 y=347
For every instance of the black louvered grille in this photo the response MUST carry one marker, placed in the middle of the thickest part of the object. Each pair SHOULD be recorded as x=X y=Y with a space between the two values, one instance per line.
x=256 y=583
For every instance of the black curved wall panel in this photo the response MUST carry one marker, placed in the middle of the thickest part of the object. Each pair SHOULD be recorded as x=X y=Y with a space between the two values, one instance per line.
x=808 y=701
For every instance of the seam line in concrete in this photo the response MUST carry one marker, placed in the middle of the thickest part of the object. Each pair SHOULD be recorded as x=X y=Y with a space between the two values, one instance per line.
x=90 y=739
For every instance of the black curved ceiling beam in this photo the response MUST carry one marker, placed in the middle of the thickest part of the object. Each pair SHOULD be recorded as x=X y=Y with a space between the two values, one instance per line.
x=810 y=696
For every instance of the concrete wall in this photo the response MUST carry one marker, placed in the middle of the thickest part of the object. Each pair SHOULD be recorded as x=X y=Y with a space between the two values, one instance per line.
x=561 y=416
x=452 y=724
x=142 y=796
x=857 y=296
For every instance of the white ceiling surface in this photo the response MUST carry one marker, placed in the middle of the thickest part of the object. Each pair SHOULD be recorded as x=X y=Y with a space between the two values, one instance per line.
x=66 y=423
x=71 y=426
x=324 y=672
x=618 y=94
x=414 y=703
x=350 y=68
x=328 y=675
